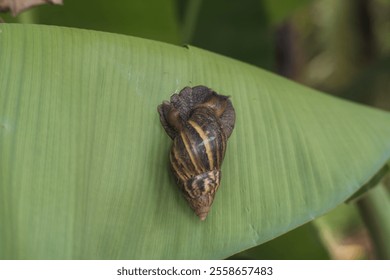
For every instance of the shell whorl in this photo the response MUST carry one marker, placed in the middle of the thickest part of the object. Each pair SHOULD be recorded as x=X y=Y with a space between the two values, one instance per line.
x=199 y=191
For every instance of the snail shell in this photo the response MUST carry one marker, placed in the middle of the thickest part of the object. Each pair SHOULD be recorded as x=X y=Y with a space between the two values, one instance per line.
x=199 y=121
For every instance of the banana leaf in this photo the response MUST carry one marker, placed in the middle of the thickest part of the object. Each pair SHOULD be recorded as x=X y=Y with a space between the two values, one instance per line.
x=84 y=169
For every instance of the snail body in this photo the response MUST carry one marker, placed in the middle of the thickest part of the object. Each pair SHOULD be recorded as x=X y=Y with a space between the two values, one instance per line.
x=199 y=121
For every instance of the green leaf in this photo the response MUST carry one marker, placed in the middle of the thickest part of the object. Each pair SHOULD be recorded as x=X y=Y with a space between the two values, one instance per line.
x=277 y=12
x=18 y=6
x=302 y=243
x=375 y=209
x=152 y=19
x=243 y=31
x=84 y=168
x=374 y=181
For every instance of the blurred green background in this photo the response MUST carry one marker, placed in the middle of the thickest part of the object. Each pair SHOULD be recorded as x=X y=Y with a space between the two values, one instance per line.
x=340 y=47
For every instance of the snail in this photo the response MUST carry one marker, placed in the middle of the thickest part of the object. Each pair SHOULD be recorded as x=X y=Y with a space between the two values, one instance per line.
x=199 y=121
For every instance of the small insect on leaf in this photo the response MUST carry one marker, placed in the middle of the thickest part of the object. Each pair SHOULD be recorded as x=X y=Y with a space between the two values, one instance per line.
x=199 y=121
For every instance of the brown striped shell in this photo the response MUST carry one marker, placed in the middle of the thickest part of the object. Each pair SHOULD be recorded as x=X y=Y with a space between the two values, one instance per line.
x=199 y=121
